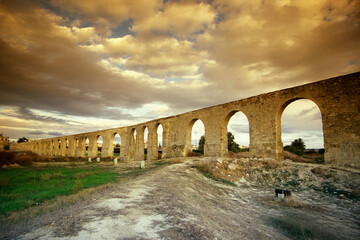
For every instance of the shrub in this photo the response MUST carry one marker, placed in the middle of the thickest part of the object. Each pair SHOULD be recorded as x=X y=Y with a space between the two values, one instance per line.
x=24 y=160
x=319 y=160
x=7 y=147
x=7 y=158
x=193 y=154
x=77 y=186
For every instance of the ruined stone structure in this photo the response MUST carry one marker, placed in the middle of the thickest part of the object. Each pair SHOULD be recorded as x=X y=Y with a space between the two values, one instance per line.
x=3 y=142
x=337 y=98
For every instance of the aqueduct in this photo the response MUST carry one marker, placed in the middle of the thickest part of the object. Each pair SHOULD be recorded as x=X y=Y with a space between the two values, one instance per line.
x=337 y=98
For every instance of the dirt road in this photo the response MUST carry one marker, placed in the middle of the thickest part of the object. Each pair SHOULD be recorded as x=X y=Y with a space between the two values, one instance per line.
x=178 y=202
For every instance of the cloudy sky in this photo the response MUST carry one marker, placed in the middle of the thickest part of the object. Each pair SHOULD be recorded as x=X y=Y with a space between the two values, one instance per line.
x=70 y=66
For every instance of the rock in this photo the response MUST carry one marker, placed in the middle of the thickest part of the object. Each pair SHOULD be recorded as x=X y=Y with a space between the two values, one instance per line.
x=98 y=159
x=89 y=159
x=242 y=180
x=232 y=167
x=115 y=161
x=260 y=159
x=219 y=160
x=142 y=164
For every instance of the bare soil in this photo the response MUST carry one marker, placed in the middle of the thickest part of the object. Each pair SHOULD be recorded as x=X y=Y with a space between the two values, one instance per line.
x=178 y=201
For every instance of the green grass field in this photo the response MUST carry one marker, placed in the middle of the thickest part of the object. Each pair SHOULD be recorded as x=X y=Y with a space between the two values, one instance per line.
x=24 y=187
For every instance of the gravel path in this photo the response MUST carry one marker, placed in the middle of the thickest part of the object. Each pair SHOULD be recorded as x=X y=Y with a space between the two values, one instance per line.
x=178 y=202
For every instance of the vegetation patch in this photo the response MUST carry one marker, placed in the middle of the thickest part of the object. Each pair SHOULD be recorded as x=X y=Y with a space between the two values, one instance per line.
x=205 y=168
x=24 y=187
x=297 y=226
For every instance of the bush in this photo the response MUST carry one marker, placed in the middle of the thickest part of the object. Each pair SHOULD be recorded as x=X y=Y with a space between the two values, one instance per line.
x=321 y=150
x=77 y=186
x=319 y=160
x=7 y=158
x=24 y=160
x=7 y=147
x=193 y=154
x=297 y=146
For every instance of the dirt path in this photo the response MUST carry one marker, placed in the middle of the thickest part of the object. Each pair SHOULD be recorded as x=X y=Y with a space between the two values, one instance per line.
x=178 y=202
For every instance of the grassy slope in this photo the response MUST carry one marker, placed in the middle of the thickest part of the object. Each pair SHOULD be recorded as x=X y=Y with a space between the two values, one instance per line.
x=23 y=187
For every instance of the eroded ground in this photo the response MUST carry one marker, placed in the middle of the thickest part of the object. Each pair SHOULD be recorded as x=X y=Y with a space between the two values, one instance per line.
x=178 y=202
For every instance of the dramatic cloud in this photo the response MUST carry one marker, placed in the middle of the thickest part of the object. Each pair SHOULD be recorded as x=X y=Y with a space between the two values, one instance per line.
x=37 y=133
x=56 y=134
x=119 y=62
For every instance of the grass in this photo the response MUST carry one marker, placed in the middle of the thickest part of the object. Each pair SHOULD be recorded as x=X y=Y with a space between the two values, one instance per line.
x=25 y=187
x=210 y=176
x=297 y=226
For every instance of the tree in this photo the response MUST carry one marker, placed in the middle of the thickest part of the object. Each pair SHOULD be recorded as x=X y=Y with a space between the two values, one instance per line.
x=23 y=139
x=297 y=146
x=201 y=144
x=232 y=145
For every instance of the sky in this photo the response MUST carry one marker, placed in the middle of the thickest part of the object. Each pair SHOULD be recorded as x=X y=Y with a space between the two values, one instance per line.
x=72 y=66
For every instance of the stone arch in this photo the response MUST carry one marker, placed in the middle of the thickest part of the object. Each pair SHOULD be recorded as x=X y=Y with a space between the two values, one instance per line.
x=188 y=144
x=224 y=132
x=279 y=143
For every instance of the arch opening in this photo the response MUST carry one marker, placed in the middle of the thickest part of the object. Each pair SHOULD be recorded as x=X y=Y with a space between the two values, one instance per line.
x=159 y=140
x=300 y=130
x=86 y=146
x=195 y=138
x=99 y=145
x=66 y=147
x=116 y=143
x=59 y=147
x=52 y=148
x=145 y=133
x=237 y=135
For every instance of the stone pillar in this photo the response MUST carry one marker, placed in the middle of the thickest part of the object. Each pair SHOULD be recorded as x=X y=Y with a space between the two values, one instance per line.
x=124 y=149
x=93 y=148
x=63 y=147
x=81 y=149
x=107 y=146
x=165 y=140
x=131 y=146
x=153 y=143
x=139 y=152
x=263 y=142
x=213 y=134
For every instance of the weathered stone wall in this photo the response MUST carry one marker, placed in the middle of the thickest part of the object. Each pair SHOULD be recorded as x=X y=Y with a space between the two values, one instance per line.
x=3 y=141
x=337 y=98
